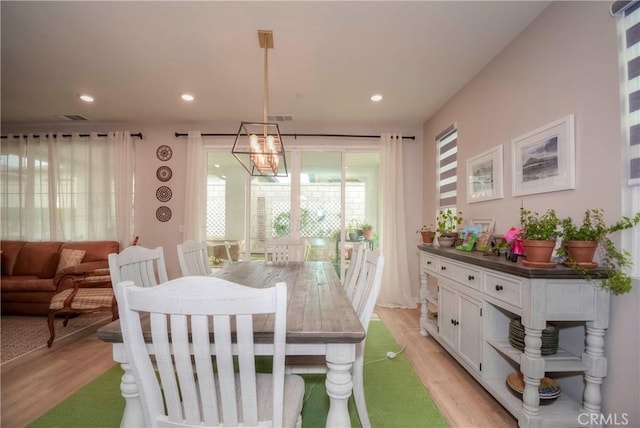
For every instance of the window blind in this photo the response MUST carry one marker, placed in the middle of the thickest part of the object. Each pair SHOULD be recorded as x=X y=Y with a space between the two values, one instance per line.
x=629 y=15
x=447 y=146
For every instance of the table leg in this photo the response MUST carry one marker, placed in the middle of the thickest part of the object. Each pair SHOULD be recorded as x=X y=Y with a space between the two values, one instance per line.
x=132 y=416
x=339 y=383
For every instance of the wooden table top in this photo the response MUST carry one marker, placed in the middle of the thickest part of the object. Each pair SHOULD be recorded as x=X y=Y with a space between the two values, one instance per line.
x=318 y=310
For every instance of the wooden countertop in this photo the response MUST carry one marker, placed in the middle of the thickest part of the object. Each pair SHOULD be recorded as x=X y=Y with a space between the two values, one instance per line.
x=499 y=263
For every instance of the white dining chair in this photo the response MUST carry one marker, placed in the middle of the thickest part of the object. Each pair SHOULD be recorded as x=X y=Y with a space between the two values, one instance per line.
x=193 y=258
x=364 y=300
x=353 y=271
x=284 y=250
x=181 y=312
x=144 y=266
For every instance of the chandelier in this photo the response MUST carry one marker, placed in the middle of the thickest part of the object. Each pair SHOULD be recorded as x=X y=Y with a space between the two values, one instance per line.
x=258 y=146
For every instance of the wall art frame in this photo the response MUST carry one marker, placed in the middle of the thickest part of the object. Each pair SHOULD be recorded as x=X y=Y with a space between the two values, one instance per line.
x=484 y=176
x=543 y=160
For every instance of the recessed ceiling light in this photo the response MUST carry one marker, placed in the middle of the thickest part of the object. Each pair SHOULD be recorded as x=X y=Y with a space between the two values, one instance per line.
x=86 y=98
x=376 y=98
x=187 y=97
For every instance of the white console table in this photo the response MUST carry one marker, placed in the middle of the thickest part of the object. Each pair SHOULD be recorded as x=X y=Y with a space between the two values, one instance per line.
x=468 y=301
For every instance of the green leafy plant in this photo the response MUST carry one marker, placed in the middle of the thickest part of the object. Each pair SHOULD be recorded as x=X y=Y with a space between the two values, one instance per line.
x=366 y=227
x=594 y=228
x=448 y=221
x=426 y=229
x=539 y=227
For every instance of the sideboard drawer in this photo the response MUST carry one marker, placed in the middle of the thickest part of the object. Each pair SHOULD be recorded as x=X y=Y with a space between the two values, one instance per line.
x=429 y=263
x=462 y=273
x=504 y=288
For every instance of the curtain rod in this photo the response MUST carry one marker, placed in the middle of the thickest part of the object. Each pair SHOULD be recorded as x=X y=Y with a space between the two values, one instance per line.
x=138 y=135
x=178 y=134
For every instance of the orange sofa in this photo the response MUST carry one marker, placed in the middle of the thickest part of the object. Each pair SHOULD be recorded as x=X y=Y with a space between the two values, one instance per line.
x=32 y=273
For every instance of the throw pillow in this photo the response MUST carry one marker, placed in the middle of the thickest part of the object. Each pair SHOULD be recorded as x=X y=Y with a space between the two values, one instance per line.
x=69 y=257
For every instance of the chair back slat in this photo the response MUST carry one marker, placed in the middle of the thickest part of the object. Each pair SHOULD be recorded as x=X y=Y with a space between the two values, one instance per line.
x=207 y=395
x=284 y=250
x=144 y=266
x=368 y=286
x=353 y=272
x=193 y=258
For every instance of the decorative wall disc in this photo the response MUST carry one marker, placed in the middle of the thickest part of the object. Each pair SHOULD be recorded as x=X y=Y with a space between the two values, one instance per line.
x=164 y=153
x=163 y=214
x=163 y=193
x=164 y=173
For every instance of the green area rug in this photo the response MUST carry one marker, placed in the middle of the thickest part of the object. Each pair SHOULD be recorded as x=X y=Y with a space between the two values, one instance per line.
x=395 y=396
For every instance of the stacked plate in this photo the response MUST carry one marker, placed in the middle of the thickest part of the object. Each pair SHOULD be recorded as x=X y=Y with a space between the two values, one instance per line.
x=549 y=389
x=549 y=337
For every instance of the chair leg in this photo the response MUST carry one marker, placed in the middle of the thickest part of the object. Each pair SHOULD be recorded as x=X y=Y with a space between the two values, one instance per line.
x=52 y=331
x=358 y=390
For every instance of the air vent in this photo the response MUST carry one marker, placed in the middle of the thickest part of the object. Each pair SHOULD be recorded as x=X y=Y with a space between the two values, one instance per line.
x=280 y=118
x=72 y=117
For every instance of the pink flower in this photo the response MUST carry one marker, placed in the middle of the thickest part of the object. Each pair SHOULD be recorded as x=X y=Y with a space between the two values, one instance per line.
x=512 y=234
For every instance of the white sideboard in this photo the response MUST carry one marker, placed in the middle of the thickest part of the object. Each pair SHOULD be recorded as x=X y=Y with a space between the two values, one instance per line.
x=468 y=301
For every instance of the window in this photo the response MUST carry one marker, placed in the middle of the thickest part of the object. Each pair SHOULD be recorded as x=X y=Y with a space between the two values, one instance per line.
x=629 y=54
x=324 y=192
x=447 y=146
x=57 y=188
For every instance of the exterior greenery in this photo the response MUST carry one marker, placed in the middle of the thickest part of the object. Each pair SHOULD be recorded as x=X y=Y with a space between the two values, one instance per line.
x=539 y=227
x=594 y=228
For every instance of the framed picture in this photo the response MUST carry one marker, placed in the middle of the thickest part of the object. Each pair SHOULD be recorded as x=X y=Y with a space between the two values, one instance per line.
x=484 y=225
x=468 y=241
x=484 y=176
x=544 y=160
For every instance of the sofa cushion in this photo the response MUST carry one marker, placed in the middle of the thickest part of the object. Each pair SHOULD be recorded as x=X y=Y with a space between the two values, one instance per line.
x=69 y=257
x=10 y=251
x=37 y=258
x=95 y=250
x=29 y=283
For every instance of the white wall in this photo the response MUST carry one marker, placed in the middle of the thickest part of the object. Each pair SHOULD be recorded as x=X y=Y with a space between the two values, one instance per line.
x=565 y=62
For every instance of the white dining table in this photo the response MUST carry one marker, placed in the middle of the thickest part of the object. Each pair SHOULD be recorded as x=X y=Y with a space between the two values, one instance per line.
x=320 y=321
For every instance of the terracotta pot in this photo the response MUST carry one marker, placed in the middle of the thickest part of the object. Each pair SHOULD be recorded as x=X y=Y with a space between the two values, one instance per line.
x=368 y=235
x=427 y=237
x=581 y=252
x=538 y=251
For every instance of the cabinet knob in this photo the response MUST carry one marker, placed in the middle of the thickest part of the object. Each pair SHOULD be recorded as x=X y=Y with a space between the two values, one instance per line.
x=428 y=263
x=443 y=268
x=471 y=277
x=499 y=287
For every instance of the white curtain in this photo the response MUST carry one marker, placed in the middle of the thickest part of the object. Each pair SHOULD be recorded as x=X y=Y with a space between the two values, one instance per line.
x=57 y=187
x=395 y=291
x=196 y=190
x=124 y=169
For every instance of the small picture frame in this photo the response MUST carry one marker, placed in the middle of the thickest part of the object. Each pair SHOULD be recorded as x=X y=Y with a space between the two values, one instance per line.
x=483 y=243
x=484 y=224
x=543 y=160
x=484 y=176
x=470 y=237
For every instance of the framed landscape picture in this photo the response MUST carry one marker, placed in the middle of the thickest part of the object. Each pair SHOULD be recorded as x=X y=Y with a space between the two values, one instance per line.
x=484 y=176
x=544 y=160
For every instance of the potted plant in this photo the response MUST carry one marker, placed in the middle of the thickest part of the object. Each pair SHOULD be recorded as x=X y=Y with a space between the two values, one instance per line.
x=447 y=222
x=367 y=231
x=354 y=229
x=580 y=242
x=539 y=234
x=427 y=234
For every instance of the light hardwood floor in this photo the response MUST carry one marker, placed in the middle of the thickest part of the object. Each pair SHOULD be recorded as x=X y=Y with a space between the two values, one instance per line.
x=33 y=384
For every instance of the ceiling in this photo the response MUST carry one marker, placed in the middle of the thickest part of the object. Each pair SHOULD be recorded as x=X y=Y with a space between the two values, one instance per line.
x=137 y=58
